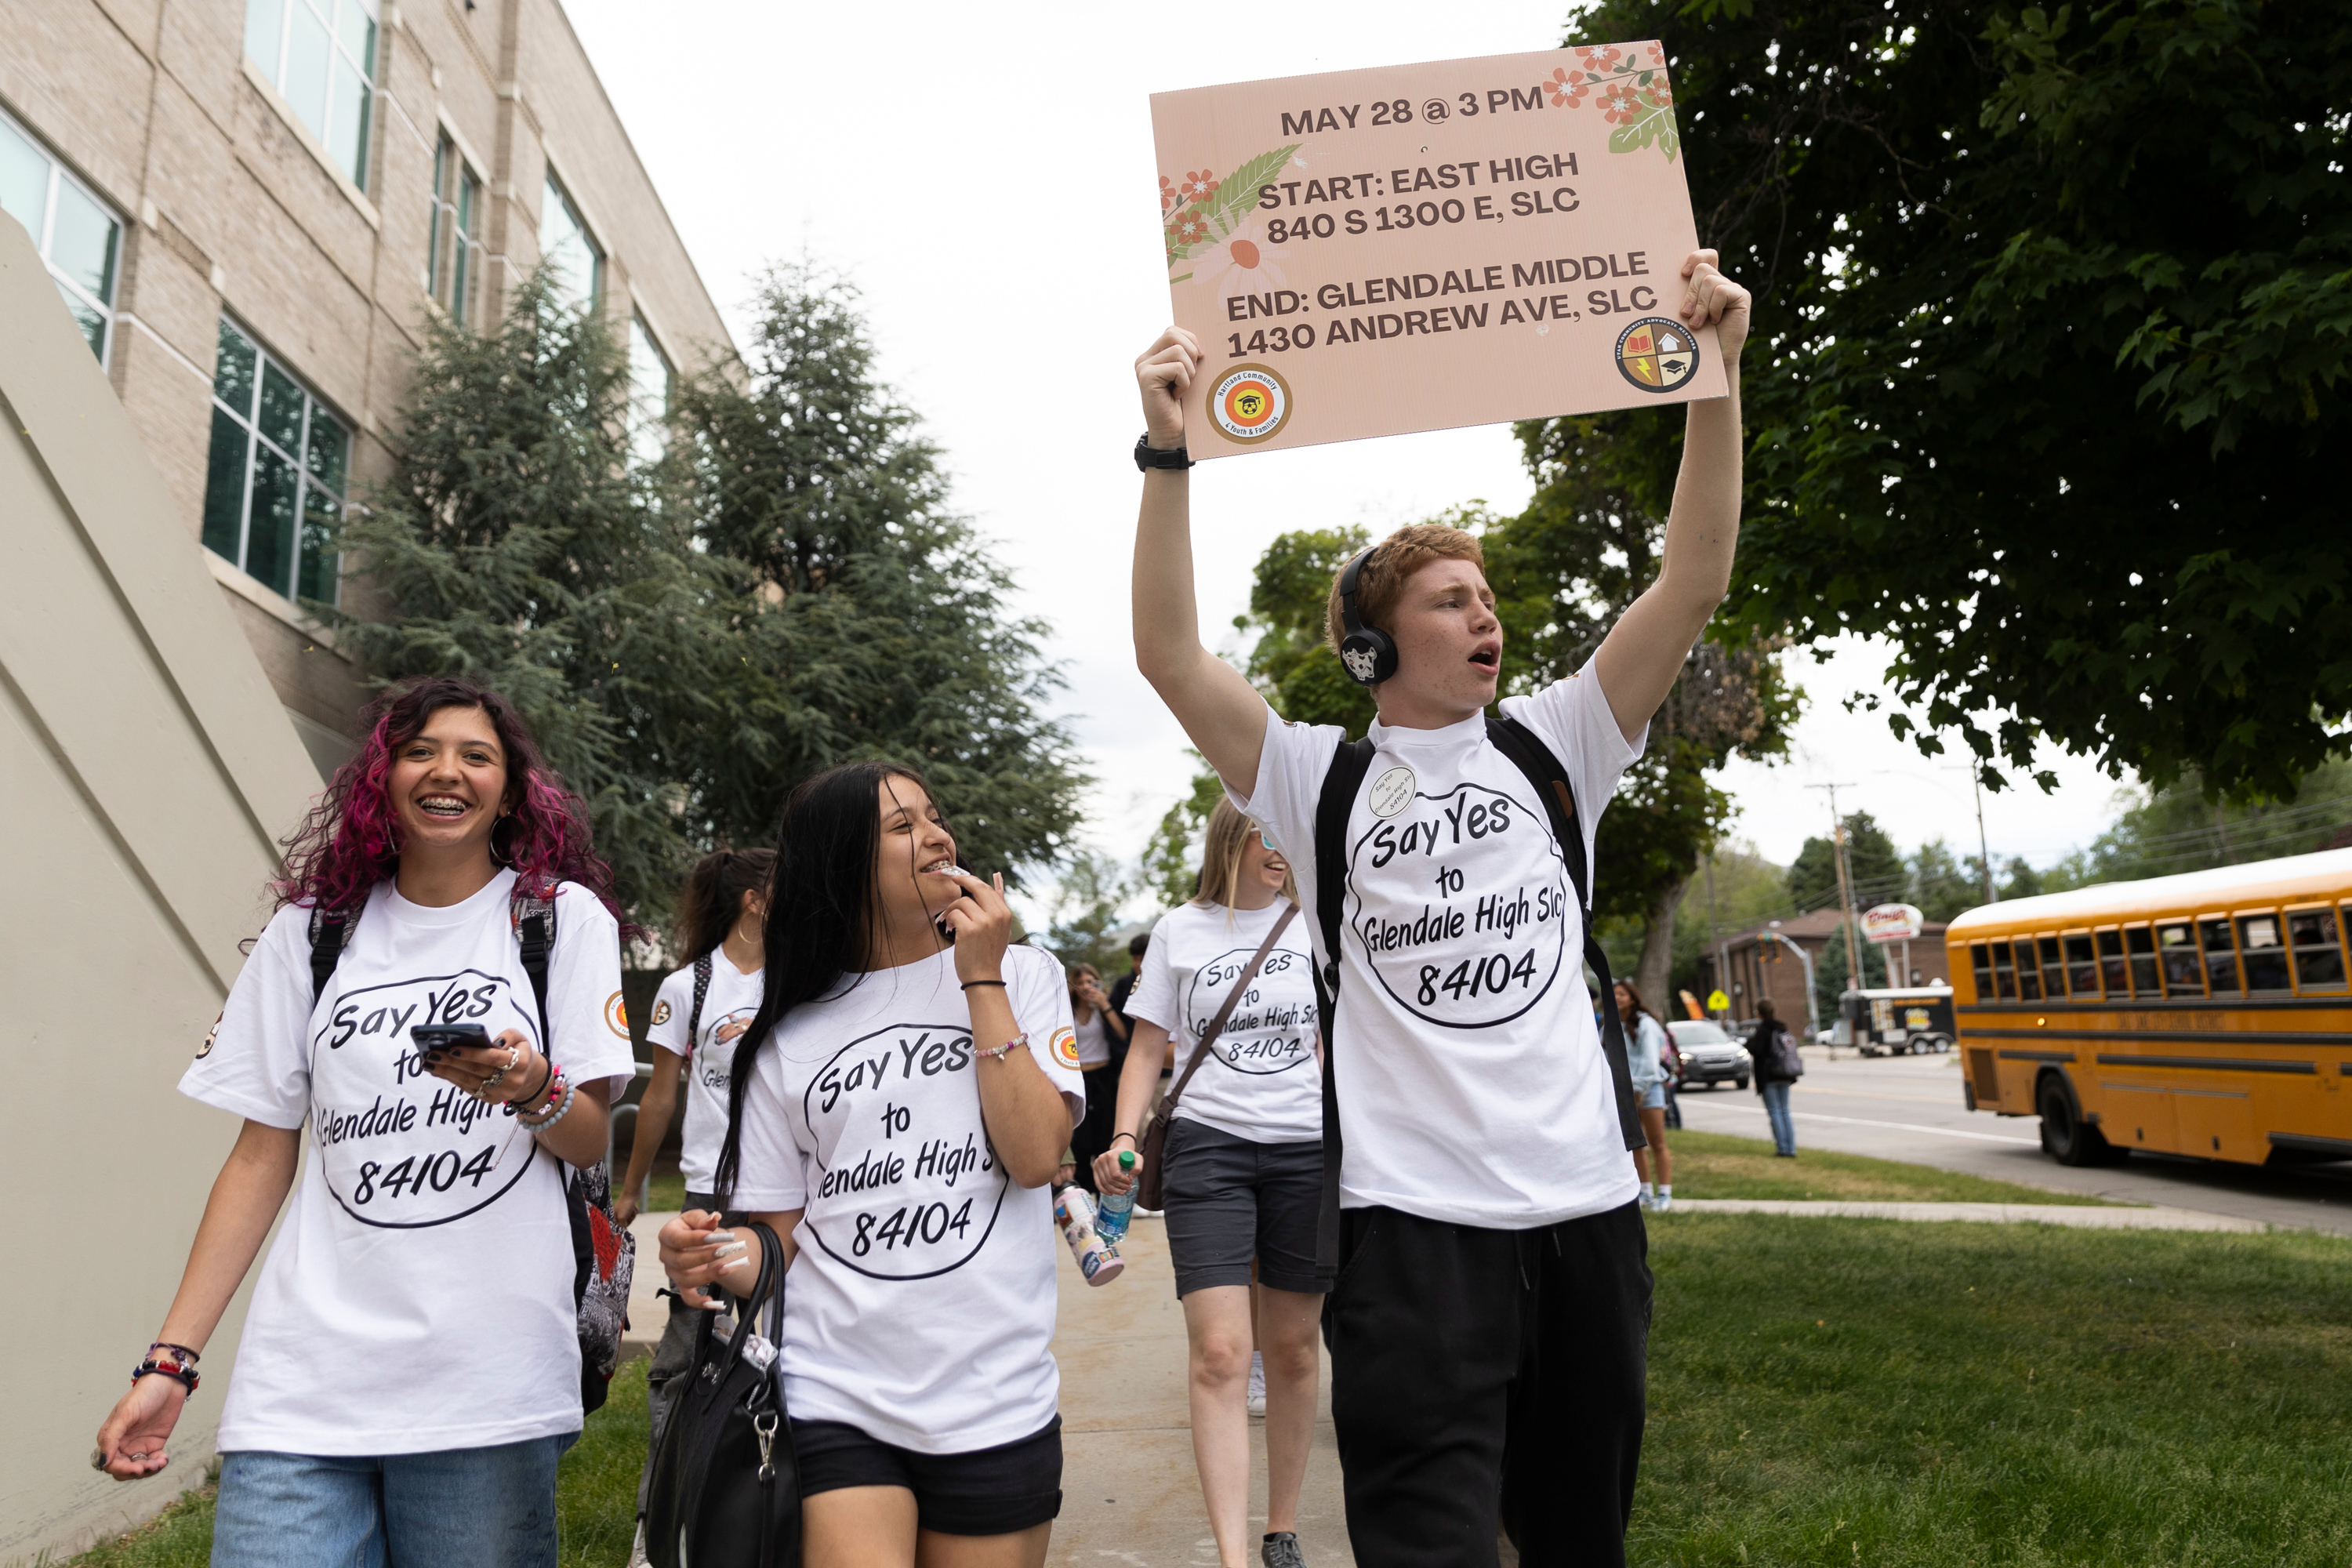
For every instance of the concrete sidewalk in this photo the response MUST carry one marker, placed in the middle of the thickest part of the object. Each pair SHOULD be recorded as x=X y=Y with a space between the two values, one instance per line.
x=1993 y=1214
x=1129 y=1492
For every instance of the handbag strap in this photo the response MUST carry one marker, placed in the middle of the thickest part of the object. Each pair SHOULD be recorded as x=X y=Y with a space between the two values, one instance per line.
x=1217 y=1023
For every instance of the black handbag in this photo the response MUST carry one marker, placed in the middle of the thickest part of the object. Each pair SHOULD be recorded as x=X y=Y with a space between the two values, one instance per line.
x=725 y=1492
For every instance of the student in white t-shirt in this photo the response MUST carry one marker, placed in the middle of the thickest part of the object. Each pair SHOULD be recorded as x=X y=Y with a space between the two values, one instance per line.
x=409 y=1372
x=1491 y=1269
x=698 y=1015
x=903 y=1098
x=1244 y=1168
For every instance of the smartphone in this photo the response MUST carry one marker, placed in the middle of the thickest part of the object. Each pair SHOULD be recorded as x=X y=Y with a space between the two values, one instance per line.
x=436 y=1039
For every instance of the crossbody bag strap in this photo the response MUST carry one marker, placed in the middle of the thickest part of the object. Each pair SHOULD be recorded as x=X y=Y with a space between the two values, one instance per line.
x=331 y=933
x=1217 y=1023
x=1532 y=757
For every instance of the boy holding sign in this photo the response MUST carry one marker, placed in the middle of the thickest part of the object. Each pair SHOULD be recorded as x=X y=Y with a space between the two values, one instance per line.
x=1490 y=1318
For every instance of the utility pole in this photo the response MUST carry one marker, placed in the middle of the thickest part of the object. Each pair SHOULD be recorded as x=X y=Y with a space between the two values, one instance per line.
x=1715 y=928
x=1845 y=887
x=1984 y=845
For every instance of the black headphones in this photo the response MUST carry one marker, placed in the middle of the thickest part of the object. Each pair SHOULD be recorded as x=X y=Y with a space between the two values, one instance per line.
x=1365 y=652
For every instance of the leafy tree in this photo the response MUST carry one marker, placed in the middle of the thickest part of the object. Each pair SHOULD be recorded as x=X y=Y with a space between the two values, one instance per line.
x=1093 y=890
x=2049 y=304
x=1940 y=886
x=2176 y=828
x=1873 y=866
x=690 y=639
x=1171 y=860
x=1747 y=891
x=1293 y=662
x=1830 y=973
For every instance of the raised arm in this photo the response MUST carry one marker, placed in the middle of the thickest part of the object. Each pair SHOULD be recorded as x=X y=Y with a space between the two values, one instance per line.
x=1220 y=710
x=1644 y=651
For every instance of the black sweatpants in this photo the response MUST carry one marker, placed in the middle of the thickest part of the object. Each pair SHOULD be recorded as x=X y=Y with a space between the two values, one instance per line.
x=1479 y=1376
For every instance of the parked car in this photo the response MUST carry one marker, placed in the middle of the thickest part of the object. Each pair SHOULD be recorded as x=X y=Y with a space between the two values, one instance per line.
x=1707 y=1056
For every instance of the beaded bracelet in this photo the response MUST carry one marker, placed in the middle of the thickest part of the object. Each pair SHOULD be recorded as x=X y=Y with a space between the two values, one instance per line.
x=997 y=1053
x=552 y=1091
x=178 y=1370
x=570 y=1092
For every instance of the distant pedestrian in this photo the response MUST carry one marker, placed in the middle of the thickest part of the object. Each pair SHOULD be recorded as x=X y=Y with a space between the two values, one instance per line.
x=1102 y=1047
x=1124 y=986
x=1777 y=1064
x=1647 y=1059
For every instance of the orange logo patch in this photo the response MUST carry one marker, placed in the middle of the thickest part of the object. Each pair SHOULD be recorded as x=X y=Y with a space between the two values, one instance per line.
x=1066 y=1046
x=616 y=1015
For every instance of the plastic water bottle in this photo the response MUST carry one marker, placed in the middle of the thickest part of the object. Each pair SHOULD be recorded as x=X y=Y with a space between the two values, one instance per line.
x=1116 y=1209
x=1098 y=1261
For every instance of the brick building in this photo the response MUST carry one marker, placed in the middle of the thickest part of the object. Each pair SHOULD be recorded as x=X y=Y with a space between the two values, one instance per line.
x=1759 y=967
x=251 y=207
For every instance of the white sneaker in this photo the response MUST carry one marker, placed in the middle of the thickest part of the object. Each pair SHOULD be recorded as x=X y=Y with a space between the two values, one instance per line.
x=1646 y=1201
x=1665 y=1203
x=1257 y=1384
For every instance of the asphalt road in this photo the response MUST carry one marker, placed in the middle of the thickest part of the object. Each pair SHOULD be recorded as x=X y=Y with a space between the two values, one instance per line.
x=1909 y=1107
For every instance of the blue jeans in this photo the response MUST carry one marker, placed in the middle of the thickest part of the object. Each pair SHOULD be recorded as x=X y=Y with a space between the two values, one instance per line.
x=459 y=1508
x=1776 y=1107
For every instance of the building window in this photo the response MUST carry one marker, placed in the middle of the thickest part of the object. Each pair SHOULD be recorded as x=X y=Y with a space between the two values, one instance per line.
x=564 y=241
x=80 y=239
x=651 y=381
x=453 y=257
x=321 y=57
x=274 y=491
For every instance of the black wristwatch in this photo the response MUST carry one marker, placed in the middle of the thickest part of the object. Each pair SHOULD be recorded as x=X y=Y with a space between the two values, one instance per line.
x=1148 y=456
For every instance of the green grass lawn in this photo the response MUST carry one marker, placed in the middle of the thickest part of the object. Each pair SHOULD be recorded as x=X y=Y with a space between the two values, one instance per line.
x=1849 y=1392
x=1950 y=1395
x=1715 y=1165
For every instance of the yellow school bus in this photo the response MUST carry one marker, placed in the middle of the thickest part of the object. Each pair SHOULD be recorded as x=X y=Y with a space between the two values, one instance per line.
x=2207 y=1013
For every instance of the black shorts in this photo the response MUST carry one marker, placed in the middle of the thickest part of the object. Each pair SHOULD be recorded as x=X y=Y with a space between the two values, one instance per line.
x=989 y=1492
x=1230 y=1200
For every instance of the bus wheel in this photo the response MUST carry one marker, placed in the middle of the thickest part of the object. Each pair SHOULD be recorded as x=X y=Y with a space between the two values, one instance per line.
x=2065 y=1136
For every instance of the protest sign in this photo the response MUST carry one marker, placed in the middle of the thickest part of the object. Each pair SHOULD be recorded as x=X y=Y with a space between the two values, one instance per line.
x=1370 y=252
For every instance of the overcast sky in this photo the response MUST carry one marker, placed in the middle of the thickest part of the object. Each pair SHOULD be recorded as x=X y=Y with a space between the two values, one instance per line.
x=986 y=176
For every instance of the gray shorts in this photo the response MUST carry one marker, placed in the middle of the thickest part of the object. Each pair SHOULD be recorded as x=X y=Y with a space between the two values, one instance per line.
x=1230 y=1200
x=1654 y=1097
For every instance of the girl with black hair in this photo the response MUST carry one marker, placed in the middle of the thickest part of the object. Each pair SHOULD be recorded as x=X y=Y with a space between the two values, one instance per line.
x=896 y=1109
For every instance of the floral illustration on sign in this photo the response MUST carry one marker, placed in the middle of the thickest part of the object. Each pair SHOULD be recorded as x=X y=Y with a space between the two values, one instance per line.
x=1630 y=85
x=1205 y=222
x=1240 y=261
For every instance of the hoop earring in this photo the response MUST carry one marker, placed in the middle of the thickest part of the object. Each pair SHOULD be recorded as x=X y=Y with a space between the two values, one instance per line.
x=502 y=853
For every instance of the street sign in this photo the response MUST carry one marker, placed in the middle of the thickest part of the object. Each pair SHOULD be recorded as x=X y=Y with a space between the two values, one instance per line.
x=1716 y=1002
x=1892 y=922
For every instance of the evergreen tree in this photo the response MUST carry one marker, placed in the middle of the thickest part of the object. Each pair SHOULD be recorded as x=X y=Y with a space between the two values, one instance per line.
x=1940 y=887
x=1831 y=972
x=1873 y=866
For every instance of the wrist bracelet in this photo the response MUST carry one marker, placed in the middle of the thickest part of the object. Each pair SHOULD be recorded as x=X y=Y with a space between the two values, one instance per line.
x=539 y=1099
x=180 y=1352
x=998 y=983
x=179 y=1371
x=545 y=1084
x=570 y=1092
x=996 y=1053
x=1128 y=1136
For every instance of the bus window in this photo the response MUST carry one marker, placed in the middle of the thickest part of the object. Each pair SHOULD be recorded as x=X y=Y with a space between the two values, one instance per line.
x=2258 y=938
x=2141 y=948
x=2220 y=957
x=2004 y=978
x=2029 y=977
x=2111 y=962
x=2081 y=970
x=2177 y=947
x=2053 y=974
x=2318 y=960
x=1981 y=959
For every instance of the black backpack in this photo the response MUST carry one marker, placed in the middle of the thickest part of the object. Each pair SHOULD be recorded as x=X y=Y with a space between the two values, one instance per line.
x=1341 y=783
x=603 y=1254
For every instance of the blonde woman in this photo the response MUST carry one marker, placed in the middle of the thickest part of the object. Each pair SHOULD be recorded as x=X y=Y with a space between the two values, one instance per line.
x=1244 y=1168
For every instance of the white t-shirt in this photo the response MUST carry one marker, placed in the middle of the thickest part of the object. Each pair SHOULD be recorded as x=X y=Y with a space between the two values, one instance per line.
x=728 y=1008
x=920 y=1307
x=420 y=1215
x=1472 y=1085
x=1262 y=1082
x=1094 y=1043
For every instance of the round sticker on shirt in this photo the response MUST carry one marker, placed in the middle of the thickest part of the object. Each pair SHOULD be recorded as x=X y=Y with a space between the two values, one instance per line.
x=1066 y=1046
x=906 y=1186
x=616 y=1015
x=1472 y=930
x=1391 y=792
x=661 y=1011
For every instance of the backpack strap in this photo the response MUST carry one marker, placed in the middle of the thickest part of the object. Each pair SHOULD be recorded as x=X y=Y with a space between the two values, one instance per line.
x=331 y=933
x=534 y=927
x=701 y=990
x=1350 y=763
x=1532 y=757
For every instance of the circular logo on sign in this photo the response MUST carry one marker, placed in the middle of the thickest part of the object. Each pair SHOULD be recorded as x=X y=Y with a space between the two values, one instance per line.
x=1656 y=355
x=1249 y=403
x=1391 y=792
x=617 y=1015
